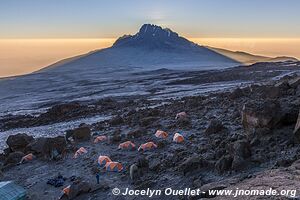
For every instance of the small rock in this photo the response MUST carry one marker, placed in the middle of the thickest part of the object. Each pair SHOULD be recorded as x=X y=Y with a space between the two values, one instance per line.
x=241 y=148
x=155 y=164
x=115 y=137
x=190 y=164
x=224 y=164
x=214 y=127
x=238 y=163
x=294 y=82
x=161 y=144
x=79 y=188
x=144 y=122
x=143 y=162
x=297 y=129
x=136 y=133
x=116 y=120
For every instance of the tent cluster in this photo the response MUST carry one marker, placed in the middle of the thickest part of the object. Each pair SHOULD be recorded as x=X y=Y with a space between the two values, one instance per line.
x=178 y=138
x=109 y=165
x=106 y=163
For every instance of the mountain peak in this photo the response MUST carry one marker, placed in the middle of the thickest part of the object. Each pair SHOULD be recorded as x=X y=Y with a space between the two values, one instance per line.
x=155 y=31
x=151 y=36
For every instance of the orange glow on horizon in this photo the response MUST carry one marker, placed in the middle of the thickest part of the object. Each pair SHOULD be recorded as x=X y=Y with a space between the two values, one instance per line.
x=21 y=56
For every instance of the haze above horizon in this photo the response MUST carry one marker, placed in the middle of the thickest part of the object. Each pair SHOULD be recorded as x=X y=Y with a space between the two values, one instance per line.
x=31 y=31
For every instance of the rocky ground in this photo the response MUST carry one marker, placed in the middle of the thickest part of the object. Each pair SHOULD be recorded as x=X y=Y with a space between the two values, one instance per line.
x=244 y=138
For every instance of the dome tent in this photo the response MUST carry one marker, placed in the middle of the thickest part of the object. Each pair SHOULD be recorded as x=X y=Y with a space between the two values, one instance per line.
x=80 y=152
x=147 y=146
x=127 y=145
x=113 y=167
x=102 y=160
x=100 y=139
x=181 y=115
x=178 y=138
x=161 y=134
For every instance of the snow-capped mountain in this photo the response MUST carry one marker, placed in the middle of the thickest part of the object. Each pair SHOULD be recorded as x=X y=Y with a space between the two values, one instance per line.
x=151 y=48
x=155 y=38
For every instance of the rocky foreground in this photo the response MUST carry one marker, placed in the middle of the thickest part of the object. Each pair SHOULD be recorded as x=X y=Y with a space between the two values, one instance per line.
x=248 y=138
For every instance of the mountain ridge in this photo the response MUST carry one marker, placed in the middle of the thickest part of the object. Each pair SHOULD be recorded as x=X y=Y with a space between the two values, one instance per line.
x=154 y=47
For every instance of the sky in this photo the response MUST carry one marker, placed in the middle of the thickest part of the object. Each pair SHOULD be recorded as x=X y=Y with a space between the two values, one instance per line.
x=268 y=27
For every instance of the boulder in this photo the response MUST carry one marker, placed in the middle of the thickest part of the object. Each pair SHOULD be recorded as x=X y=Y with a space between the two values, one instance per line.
x=147 y=121
x=190 y=164
x=215 y=126
x=283 y=85
x=297 y=90
x=237 y=93
x=290 y=114
x=223 y=164
x=115 y=137
x=51 y=148
x=19 y=141
x=294 y=82
x=14 y=158
x=79 y=188
x=183 y=122
x=297 y=129
x=238 y=163
x=136 y=133
x=117 y=120
x=162 y=144
x=241 y=148
x=143 y=163
x=60 y=111
x=265 y=114
x=79 y=134
x=267 y=91
x=155 y=164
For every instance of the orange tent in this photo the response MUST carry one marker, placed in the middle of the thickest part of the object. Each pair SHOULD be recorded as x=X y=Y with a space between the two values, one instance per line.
x=28 y=157
x=178 y=138
x=79 y=152
x=161 y=134
x=147 y=146
x=181 y=115
x=113 y=167
x=66 y=190
x=127 y=145
x=102 y=160
x=100 y=139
